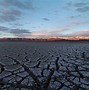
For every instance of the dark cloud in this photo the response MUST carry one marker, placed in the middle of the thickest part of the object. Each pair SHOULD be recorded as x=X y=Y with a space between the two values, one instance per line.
x=11 y=10
x=17 y=3
x=75 y=16
x=9 y=15
x=79 y=6
x=16 y=25
x=15 y=31
x=83 y=9
x=19 y=31
x=2 y=28
x=46 y=19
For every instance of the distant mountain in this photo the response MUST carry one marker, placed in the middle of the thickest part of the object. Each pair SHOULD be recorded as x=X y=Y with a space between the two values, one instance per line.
x=46 y=39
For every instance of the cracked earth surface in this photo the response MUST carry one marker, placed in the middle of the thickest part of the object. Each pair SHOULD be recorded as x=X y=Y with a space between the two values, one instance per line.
x=44 y=66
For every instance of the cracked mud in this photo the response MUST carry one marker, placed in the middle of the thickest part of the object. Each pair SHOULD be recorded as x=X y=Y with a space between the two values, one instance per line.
x=44 y=66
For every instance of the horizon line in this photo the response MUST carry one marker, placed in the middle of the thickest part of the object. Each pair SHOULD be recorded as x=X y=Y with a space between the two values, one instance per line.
x=46 y=39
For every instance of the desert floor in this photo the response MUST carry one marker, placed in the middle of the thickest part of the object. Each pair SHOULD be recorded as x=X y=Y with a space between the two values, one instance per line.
x=60 y=65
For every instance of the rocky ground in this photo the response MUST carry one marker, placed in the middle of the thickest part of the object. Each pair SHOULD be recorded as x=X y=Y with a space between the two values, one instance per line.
x=44 y=65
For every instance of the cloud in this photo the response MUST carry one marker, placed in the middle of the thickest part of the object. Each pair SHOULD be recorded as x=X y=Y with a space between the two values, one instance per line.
x=18 y=31
x=48 y=33
x=79 y=6
x=83 y=9
x=15 y=31
x=9 y=15
x=17 y=3
x=61 y=31
x=75 y=16
x=12 y=10
x=17 y=24
x=2 y=28
x=80 y=22
x=80 y=33
x=46 y=19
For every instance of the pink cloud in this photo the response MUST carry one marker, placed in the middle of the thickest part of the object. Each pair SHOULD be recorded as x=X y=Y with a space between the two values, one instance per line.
x=80 y=33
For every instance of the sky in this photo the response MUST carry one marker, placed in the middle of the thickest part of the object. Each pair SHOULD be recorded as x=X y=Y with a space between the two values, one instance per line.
x=44 y=18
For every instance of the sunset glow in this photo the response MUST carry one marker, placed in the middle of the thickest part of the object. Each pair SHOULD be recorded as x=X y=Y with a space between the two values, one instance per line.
x=44 y=19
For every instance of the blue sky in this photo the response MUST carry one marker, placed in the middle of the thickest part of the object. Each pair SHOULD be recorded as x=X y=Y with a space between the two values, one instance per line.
x=44 y=18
